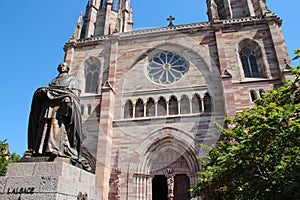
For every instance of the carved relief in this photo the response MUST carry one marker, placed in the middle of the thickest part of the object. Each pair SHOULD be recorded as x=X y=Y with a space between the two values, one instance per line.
x=170 y=159
x=170 y=182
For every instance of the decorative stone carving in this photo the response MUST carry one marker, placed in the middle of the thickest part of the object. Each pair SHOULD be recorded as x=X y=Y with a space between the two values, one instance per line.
x=170 y=182
x=170 y=159
x=117 y=184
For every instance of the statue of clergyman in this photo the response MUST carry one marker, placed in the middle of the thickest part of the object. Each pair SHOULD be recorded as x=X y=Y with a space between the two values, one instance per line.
x=55 y=125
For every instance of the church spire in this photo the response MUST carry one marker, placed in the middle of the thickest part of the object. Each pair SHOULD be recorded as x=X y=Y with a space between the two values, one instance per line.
x=78 y=27
x=235 y=9
x=104 y=17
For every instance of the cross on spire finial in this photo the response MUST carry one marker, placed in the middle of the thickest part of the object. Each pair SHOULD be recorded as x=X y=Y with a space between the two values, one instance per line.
x=170 y=19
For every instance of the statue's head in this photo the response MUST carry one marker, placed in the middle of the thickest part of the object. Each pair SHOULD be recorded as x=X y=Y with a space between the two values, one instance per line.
x=63 y=67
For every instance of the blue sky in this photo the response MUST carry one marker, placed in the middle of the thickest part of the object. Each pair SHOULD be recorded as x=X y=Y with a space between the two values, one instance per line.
x=34 y=32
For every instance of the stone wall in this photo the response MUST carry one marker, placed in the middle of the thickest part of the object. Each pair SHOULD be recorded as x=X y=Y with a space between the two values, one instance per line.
x=213 y=51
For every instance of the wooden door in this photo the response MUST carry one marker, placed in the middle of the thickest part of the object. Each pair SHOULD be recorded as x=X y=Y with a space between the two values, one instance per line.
x=181 y=187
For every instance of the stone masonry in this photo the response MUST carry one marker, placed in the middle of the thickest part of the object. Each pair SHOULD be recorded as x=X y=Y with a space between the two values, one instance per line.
x=129 y=153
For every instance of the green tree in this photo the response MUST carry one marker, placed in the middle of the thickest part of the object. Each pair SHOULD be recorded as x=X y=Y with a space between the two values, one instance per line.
x=259 y=155
x=6 y=157
x=3 y=157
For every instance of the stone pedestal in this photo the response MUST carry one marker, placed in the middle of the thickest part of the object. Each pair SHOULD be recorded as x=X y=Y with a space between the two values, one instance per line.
x=47 y=181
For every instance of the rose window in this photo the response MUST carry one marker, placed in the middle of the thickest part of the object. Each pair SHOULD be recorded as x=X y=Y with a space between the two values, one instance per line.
x=166 y=67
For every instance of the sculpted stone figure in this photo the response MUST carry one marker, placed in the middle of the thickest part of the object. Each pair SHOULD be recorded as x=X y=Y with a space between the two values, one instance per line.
x=55 y=121
x=170 y=182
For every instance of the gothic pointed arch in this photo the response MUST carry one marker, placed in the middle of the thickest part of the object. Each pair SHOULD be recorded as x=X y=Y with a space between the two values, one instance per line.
x=128 y=109
x=208 y=107
x=161 y=107
x=251 y=59
x=261 y=92
x=139 y=108
x=150 y=107
x=173 y=105
x=92 y=68
x=161 y=144
x=185 y=105
x=253 y=95
x=196 y=104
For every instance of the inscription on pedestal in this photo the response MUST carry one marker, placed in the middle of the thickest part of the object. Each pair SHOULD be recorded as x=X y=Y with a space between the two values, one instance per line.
x=21 y=190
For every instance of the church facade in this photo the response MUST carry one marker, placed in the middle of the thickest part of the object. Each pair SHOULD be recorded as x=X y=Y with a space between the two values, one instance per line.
x=151 y=97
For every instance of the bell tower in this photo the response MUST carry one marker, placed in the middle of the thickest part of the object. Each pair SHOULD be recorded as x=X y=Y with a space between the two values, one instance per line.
x=235 y=9
x=104 y=17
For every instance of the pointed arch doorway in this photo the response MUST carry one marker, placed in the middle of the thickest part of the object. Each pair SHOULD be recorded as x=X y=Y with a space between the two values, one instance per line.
x=170 y=172
x=168 y=153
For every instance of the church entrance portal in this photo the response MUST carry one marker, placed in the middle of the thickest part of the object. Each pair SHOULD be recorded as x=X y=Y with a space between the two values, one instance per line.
x=160 y=187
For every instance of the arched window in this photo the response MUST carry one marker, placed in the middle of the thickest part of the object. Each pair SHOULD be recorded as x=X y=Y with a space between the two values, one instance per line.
x=128 y=109
x=185 y=105
x=207 y=103
x=249 y=63
x=139 y=108
x=253 y=95
x=196 y=104
x=91 y=79
x=261 y=92
x=89 y=109
x=251 y=57
x=173 y=106
x=161 y=107
x=150 y=108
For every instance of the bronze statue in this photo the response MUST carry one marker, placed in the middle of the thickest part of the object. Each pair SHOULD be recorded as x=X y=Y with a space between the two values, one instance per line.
x=55 y=126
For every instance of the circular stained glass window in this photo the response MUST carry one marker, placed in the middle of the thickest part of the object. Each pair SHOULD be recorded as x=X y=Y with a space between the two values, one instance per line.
x=166 y=67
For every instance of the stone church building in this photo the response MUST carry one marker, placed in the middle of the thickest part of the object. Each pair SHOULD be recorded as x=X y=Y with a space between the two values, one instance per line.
x=150 y=97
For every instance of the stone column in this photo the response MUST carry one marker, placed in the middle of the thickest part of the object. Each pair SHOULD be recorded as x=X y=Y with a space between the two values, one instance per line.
x=133 y=110
x=156 y=104
x=143 y=186
x=117 y=184
x=167 y=107
x=145 y=110
x=149 y=188
x=202 y=104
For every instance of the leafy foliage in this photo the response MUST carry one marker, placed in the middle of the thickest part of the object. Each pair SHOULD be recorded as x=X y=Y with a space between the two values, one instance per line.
x=259 y=156
x=6 y=157
x=3 y=157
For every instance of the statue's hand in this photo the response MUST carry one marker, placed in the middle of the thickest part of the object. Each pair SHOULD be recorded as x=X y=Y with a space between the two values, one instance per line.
x=65 y=107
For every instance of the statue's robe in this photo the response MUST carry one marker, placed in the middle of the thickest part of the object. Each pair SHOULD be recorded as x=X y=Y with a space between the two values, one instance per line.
x=55 y=126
